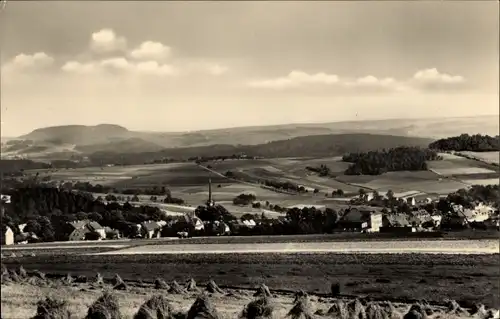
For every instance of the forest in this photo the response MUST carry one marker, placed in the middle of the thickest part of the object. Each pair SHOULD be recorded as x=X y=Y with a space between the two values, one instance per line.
x=466 y=142
x=395 y=159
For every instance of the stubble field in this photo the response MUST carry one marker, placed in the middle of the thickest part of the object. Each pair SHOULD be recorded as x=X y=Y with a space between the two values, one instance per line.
x=465 y=278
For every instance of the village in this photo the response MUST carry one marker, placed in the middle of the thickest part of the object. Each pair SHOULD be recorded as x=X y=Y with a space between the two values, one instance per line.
x=402 y=216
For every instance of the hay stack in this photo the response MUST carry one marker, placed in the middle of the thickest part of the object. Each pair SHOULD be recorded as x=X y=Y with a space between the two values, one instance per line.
x=14 y=276
x=161 y=284
x=191 y=286
x=356 y=309
x=263 y=291
x=339 y=310
x=374 y=311
x=38 y=274
x=98 y=280
x=416 y=311
x=67 y=280
x=118 y=283
x=202 y=309
x=478 y=311
x=213 y=288
x=261 y=308
x=302 y=309
x=390 y=310
x=105 y=307
x=175 y=288
x=22 y=272
x=300 y=294
x=52 y=309
x=155 y=308
x=454 y=308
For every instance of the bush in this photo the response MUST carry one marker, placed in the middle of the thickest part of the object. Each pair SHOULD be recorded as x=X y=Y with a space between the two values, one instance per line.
x=105 y=307
x=50 y=308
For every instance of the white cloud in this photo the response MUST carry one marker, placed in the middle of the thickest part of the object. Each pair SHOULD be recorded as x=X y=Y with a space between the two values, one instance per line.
x=296 y=79
x=154 y=68
x=433 y=80
x=79 y=68
x=120 y=64
x=150 y=50
x=106 y=40
x=39 y=59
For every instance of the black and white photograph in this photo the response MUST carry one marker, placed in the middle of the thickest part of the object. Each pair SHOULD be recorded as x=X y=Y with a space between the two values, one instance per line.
x=249 y=159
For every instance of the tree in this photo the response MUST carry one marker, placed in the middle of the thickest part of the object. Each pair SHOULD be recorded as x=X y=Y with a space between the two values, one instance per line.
x=362 y=193
x=214 y=213
x=135 y=198
x=316 y=191
x=93 y=235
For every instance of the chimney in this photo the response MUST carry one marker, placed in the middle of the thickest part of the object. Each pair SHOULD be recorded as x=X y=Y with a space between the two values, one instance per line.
x=210 y=190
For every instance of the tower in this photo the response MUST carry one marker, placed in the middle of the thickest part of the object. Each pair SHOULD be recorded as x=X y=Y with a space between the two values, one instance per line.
x=210 y=201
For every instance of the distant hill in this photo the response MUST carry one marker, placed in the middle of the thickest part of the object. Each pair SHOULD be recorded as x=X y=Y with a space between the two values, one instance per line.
x=131 y=145
x=82 y=140
x=79 y=134
x=315 y=145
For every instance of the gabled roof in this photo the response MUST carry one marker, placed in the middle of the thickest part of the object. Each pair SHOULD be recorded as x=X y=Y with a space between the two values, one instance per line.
x=94 y=226
x=79 y=224
x=397 y=220
x=149 y=226
x=359 y=214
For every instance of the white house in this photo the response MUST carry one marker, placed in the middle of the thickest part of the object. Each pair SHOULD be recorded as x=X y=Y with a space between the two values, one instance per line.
x=8 y=236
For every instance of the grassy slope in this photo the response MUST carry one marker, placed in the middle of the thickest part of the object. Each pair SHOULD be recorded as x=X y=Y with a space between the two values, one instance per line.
x=432 y=277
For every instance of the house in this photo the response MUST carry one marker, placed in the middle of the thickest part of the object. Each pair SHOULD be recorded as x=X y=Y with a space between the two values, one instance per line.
x=79 y=229
x=221 y=228
x=411 y=201
x=7 y=236
x=397 y=223
x=5 y=198
x=151 y=229
x=361 y=219
x=21 y=227
x=194 y=220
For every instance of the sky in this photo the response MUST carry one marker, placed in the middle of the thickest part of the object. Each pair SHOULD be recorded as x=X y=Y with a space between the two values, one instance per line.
x=177 y=66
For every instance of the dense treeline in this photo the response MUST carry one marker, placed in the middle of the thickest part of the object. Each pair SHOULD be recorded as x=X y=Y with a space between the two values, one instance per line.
x=466 y=142
x=322 y=170
x=244 y=199
x=395 y=159
x=477 y=193
x=47 y=210
x=16 y=167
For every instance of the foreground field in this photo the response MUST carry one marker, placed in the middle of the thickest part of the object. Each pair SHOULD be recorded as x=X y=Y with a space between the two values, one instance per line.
x=19 y=301
x=465 y=278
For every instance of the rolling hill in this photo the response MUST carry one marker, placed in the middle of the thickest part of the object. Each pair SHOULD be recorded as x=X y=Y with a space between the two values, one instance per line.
x=310 y=146
x=80 y=140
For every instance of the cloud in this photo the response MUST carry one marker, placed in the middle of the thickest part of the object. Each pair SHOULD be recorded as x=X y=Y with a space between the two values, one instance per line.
x=106 y=40
x=36 y=60
x=433 y=75
x=150 y=50
x=296 y=79
x=79 y=68
x=122 y=66
x=433 y=80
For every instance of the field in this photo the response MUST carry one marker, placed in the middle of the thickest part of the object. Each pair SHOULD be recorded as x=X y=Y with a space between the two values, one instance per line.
x=19 y=301
x=190 y=182
x=487 y=157
x=465 y=278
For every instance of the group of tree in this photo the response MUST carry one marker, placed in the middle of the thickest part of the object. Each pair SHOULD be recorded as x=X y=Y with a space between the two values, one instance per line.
x=395 y=159
x=244 y=199
x=47 y=211
x=466 y=142
x=322 y=170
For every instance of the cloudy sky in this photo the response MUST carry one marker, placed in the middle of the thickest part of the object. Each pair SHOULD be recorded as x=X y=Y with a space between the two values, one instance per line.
x=197 y=65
